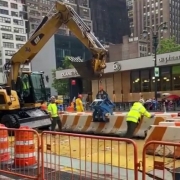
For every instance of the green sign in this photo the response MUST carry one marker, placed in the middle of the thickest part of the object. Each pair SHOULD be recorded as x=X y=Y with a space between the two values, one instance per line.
x=156 y=71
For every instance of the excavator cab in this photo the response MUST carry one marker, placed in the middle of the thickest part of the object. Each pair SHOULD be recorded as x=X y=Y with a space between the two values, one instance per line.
x=33 y=88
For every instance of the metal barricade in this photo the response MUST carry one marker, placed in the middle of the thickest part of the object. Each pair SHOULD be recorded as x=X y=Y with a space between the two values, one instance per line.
x=75 y=156
x=19 y=153
x=163 y=163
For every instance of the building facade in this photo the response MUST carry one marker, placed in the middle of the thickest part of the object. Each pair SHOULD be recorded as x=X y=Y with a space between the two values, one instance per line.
x=13 y=29
x=129 y=79
x=69 y=46
x=37 y=9
x=129 y=4
x=128 y=49
x=110 y=20
x=152 y=14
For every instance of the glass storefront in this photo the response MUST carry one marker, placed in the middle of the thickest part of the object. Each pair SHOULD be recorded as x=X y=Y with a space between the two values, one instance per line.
x=143 y=80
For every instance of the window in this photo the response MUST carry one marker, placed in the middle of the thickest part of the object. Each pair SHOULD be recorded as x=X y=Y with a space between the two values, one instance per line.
x=20 y=38
x=8 y=60
x=0 y=61
x=5 y=20
x=14 y=13
x=7 y=36
x=176 y=77
x=3 y=11
x=14 y=6
x=18 y=22
x=135 y=81
x=6 y=28
x=9 y=53
x=8 y=45
x=165 y=78
x=4 y=3
x=38 y=86
x=145 y=81
x=18 y=46
x=19 y=30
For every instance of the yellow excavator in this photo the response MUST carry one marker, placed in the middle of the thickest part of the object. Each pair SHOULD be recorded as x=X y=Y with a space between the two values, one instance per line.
x=21 y=97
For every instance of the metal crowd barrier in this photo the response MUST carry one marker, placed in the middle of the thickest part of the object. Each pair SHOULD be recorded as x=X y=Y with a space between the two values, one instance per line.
x=25 y=154
x=88 y=157
x=164 y=164
x=19 y=153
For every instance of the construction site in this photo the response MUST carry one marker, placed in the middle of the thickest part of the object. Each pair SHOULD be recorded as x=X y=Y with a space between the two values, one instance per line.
x=153 y=154
x=89 y=145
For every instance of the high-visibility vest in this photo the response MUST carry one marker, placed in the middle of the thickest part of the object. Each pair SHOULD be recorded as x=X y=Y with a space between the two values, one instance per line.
x=53 y=109
x=136 y=112
x=25 y=85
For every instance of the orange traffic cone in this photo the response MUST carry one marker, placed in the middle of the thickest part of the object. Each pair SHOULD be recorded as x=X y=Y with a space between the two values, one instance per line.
x=24 y=150
x=4 y=146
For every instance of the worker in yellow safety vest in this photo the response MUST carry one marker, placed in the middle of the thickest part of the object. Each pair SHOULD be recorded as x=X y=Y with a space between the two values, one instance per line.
x=26 y=86
x=53 y=111
x=79 y=104
x=134 y=116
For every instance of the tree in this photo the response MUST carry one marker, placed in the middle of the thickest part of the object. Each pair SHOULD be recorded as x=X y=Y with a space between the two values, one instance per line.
x=67 y=63
x=168 y=45
x=61 y=85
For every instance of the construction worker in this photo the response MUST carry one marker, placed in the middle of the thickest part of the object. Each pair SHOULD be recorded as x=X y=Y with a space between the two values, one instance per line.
x=43 y=106
x=53 y=111
x=101 y=94
x=135 y=114
x=79 y=104
x=26 y=86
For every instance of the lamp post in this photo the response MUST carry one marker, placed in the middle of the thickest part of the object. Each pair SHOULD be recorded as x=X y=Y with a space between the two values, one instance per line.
x=161 y=27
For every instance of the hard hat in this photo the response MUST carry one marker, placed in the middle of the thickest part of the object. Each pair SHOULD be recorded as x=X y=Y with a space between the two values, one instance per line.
x=80 y=96
x=53 y=97
x=141 y=101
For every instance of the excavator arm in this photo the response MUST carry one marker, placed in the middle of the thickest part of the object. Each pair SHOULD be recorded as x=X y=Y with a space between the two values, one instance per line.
x=64 y=14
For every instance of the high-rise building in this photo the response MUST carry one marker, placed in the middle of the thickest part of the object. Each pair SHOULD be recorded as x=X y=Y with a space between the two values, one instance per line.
x=37 y=9
x=110 y=20
x=13 y=29
x=129 y=4
x=153 y=13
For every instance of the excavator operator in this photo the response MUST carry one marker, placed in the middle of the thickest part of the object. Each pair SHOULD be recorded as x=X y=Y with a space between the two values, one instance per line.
x=79 y=104
x=26 y=86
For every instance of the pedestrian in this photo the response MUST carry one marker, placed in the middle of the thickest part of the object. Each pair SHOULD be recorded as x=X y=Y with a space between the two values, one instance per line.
x=135 y=114
x=53 y=111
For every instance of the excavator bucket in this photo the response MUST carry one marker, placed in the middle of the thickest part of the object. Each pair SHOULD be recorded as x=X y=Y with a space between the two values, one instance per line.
x=84 y=69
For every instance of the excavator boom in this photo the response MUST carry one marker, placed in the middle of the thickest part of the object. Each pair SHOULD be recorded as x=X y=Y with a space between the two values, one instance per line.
x=64 y=14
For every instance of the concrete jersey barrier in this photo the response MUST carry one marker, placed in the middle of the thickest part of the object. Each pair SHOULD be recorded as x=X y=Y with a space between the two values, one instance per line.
x=82 y=123
x=163 y=133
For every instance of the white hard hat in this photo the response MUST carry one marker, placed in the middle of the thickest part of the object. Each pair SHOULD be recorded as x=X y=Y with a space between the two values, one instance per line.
x=53 y=97
x=141 y=101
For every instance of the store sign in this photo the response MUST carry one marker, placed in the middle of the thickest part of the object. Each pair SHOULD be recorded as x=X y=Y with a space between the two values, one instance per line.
x=156 y=71
x=169 y=58
x=117 y=66
x=70 y=74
